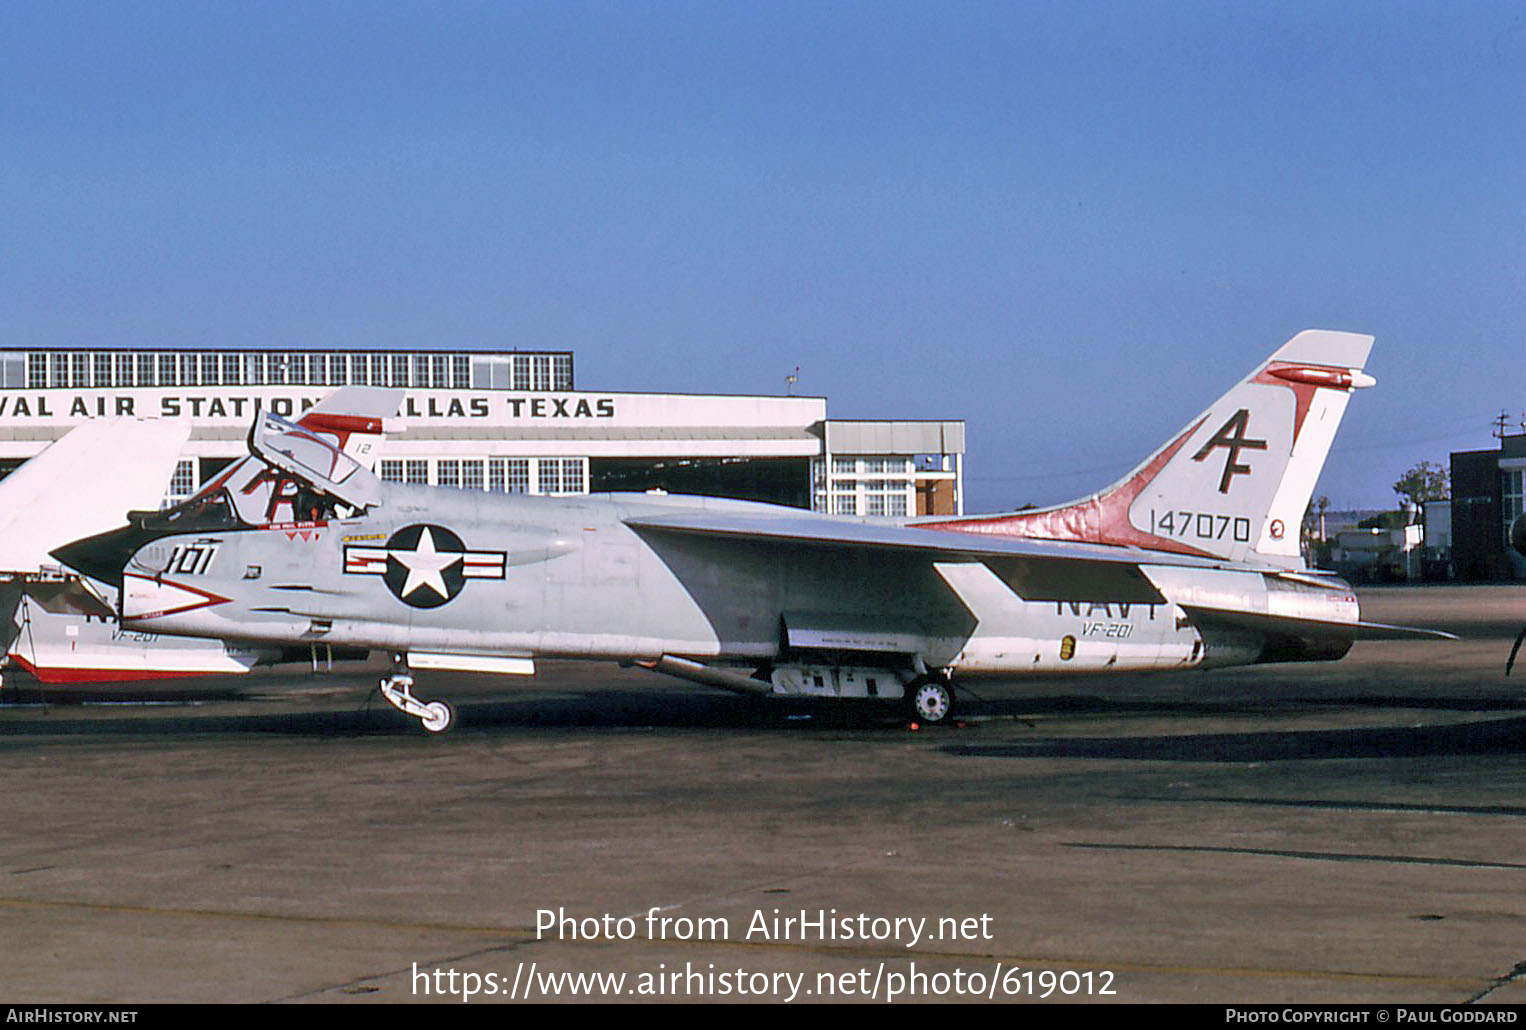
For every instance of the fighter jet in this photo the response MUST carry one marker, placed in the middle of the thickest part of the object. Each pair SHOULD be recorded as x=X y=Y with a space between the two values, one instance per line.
x=64 y=630
x=1190 y=561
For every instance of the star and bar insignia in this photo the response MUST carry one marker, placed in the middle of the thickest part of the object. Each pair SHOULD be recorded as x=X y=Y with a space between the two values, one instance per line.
x=424 y=565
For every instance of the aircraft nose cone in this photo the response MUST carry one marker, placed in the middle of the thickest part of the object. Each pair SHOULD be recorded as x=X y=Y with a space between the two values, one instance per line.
x=101 y=557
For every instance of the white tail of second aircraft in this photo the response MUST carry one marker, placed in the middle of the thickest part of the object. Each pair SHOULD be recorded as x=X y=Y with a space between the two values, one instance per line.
x=1234 y=483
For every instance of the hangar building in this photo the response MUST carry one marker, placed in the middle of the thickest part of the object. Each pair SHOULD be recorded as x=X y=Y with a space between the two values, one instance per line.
x=511 y=421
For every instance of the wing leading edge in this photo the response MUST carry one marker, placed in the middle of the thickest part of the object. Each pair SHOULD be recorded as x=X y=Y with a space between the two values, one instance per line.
x=1035 y=570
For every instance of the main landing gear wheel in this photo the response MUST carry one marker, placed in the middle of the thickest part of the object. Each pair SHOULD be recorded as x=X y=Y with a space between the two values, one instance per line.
x=930 y=700
x=435 y=716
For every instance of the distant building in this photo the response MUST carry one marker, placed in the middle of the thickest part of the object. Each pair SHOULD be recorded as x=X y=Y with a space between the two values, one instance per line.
x=1379 y=555
x=508 y=421
x=1438 y=539
x=1486 y=499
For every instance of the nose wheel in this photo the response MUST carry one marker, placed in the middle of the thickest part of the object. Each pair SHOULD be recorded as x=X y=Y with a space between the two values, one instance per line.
x=434 y=716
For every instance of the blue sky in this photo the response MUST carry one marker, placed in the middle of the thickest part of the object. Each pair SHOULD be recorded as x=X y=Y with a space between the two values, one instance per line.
x=1072 y=225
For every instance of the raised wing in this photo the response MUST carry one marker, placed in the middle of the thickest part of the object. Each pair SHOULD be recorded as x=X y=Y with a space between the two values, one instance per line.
x=82 y=484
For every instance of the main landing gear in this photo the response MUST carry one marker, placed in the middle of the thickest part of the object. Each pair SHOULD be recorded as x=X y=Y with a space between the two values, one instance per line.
x=397 y=688
x=930 y=700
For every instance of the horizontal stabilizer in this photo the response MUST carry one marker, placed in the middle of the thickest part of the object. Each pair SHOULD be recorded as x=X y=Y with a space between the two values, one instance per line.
x=1286 y=637
x=68 y=597
x=1380 y=631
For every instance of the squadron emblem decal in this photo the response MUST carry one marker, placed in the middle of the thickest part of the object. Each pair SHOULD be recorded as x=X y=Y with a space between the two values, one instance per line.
x=424 y=565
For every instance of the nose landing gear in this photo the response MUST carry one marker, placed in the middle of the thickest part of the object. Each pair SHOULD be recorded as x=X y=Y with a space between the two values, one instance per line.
x=397 y=688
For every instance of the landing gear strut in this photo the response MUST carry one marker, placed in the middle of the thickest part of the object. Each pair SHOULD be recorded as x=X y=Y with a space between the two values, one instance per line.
x=397 y=688
x=930 y=700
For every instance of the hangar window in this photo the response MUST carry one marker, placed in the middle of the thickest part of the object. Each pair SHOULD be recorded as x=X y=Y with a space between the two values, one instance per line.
x=471 y=474
x=37 y=371
x=183 y=482
x=13 y=371
x=561 y=372
x=416 y=470
x=1512 y=501
x=560 y=476
x=211 y=375
x=519 y=475
x=103 y=370
x=885 y=497
x=233 y=369
x=145 y=370
x=124 y=369
x=79 y=370
x=549 y=476
x=521 y=372
x=509 y=475
x=188 y=370
x=58 y=370
x=399 y=370
x=460 y=372
x=391 y=470
x=883 y=486
x=448 y=472
x=338 y=370
x=168 y=371
x=358 y=370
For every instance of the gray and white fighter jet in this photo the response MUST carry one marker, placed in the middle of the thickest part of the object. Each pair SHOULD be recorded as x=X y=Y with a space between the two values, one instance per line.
x=1190 y=561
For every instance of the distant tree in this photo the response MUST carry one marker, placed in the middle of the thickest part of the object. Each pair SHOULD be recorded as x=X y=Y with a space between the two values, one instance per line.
x=1427 y=481
x=1316 y=549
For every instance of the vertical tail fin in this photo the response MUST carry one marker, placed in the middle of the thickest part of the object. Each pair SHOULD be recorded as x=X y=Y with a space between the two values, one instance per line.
x=1236 y=481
